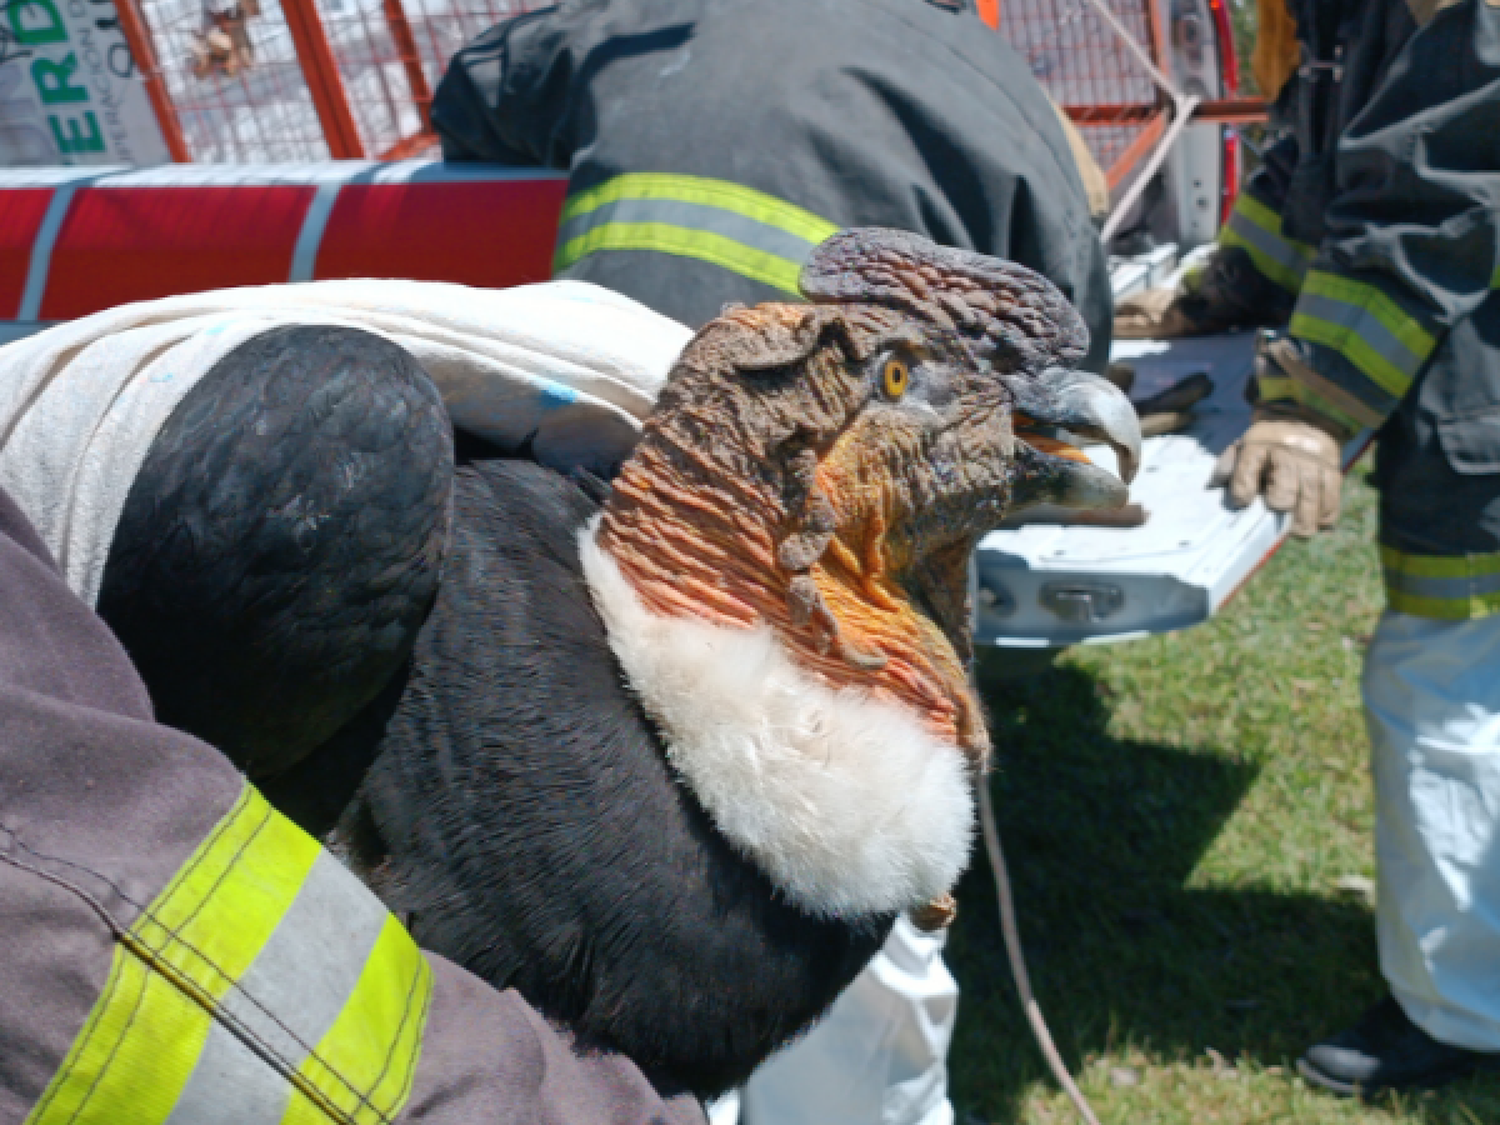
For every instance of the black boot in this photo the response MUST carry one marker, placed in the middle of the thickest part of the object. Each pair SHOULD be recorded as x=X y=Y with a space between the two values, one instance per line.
x=1386 y=1051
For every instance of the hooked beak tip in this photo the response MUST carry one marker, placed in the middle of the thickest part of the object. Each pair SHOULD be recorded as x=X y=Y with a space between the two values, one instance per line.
x=1086 y=406
x=1102 y=412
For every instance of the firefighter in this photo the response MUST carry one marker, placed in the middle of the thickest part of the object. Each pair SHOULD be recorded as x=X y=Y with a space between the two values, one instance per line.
x=1372 y=233
x=710 y=145
x=176 y=950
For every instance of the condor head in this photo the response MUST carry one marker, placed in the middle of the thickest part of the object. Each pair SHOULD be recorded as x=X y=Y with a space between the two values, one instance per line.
x=782 y=565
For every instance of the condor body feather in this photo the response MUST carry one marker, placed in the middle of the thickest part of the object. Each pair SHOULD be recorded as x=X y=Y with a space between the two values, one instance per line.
x=282 y=542
x=523 y=811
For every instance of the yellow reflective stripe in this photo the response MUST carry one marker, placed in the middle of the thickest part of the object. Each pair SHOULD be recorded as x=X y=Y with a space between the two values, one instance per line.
x=1364 y=325
x=722 y=194
x=256 y=892
x=1443 y=609
x=201 y=940
x=1447 y=587
x=1409 y=331
x=1192 y=277
x=1278 y=388
x=105 y=1079
x=1440 y=566
x=215 y=916
x=1269 y=220
x=1274 y=388
x=1356 y=349
x=731 y=226
x=1256 y=229
x=769 y=269
x=392 y=996
x=1334 y=400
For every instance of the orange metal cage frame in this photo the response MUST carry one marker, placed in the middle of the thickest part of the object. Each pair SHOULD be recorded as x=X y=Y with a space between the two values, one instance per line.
x=308 y=80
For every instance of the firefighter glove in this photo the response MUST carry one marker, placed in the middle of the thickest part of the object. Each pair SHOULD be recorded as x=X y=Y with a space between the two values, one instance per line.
x=1292 y=462
x=1154 y=314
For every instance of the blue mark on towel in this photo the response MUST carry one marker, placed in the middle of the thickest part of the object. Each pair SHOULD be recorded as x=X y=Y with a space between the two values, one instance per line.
x=555 y=395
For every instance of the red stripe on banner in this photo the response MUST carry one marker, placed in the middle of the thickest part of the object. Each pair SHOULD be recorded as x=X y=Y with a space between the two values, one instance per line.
x=492 y=233
x=135 y=243
x=21 y=214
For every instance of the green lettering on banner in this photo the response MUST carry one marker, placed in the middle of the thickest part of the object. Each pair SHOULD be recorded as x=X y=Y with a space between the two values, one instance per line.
x=50 y=29
x=75 y=142
x=52 y=81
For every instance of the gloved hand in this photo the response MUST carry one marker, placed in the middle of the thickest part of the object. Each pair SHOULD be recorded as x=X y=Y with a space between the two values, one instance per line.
x=1154 y=314
x=1225 y=293
x=1291 y=455
x=1294 y=463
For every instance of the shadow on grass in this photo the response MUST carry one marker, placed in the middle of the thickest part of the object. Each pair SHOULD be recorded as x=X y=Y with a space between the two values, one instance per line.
x=1101 y=836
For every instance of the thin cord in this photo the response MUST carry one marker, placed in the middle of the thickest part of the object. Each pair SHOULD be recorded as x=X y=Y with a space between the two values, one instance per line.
x=1182 y=115
x=1018 y=959
x=1182 y=106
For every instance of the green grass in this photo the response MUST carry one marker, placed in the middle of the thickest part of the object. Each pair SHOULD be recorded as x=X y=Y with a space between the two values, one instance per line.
x=1187 y=821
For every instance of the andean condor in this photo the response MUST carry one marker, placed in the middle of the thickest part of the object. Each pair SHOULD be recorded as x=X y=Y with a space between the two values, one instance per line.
x=669 y=752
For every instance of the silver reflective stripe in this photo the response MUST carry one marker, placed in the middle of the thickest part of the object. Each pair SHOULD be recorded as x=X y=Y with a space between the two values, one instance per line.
x=690 y=216
x=228 y=1073
x=1273 y=246
x=287 y=1000
x=1363 y=323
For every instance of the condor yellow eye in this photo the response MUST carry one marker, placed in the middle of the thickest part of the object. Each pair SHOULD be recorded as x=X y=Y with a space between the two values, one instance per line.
x=895 y=378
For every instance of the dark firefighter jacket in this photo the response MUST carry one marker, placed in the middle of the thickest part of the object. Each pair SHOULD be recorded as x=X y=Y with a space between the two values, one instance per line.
x=710 y=144
x=174 y=950
x=1375 y=226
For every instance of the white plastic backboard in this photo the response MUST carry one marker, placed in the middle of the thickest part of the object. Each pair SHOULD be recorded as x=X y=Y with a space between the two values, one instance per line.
x=1043 y=585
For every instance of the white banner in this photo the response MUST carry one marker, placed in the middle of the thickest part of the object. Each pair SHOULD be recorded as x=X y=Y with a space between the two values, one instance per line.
x=70 y=92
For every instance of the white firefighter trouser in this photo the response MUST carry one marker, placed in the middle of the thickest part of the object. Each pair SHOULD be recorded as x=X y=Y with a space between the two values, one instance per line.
x=1432 y=705
x=879 y=1058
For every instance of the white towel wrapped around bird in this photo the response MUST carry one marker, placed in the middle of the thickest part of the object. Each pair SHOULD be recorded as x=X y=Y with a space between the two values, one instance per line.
x=570 y=368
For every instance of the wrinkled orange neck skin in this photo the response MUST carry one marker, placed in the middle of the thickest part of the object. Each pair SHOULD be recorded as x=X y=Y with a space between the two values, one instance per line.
x=859 y=577
x=698 y=542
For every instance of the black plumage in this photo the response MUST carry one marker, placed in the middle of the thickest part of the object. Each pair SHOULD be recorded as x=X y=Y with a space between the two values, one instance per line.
x=282 y=542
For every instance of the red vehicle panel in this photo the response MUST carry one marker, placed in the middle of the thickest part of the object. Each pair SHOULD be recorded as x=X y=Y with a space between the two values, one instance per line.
x=21 y=213
x=491 y=233
x=133 y=243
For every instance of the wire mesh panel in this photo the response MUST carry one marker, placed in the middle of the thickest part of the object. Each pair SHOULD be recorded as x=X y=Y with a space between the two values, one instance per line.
x=296 y=80
x=386 y=109
x=235 y=81
x=1086 y=68
x=392 y=53
x=243 y=92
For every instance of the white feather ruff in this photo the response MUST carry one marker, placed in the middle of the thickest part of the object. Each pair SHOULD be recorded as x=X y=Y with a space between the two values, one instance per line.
x=847 y=802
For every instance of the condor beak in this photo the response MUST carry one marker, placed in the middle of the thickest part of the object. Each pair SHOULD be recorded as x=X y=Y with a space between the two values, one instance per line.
x=1052 y=411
